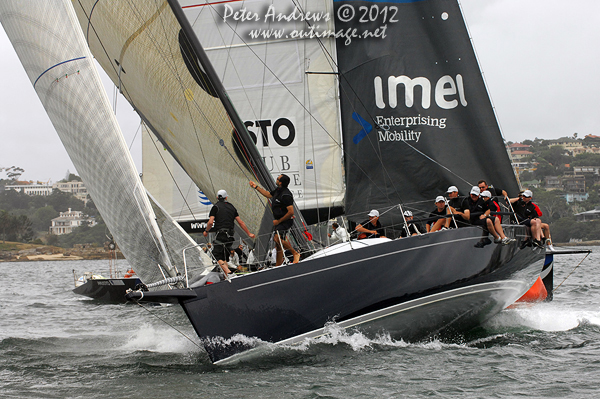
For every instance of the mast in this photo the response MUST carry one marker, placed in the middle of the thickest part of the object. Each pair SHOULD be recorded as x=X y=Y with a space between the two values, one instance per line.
x=258 y=168
x=253 y=157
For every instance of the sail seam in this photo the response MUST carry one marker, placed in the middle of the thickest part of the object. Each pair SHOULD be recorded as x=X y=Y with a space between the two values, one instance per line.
x=54 y=66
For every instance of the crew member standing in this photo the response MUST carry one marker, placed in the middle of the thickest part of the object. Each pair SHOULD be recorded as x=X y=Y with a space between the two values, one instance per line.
x=222 y=217
x=282 y=204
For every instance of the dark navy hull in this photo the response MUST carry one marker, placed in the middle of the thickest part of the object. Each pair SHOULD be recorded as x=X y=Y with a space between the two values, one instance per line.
x=108 y=289
x=410 y=288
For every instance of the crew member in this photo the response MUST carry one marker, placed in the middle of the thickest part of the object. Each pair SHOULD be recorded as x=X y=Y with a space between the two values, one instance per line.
x=282 y=205
x=527 y=215
x=338 y=233
x=458 y=207
x=410 y=228
x=371 y=228
x=440 y=213
x=222 y=217
x=493 y=221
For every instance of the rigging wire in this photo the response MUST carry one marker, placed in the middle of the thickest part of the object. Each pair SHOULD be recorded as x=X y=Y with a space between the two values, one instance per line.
x=172 y=178
x=569 y=275
x=488 y=91
x=170 y=325
x=313 y=117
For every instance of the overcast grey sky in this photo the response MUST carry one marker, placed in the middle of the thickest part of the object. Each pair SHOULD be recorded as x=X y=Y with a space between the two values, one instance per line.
x=540 y=59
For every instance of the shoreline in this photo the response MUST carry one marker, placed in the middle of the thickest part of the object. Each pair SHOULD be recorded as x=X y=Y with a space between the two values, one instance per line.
x=20 y=252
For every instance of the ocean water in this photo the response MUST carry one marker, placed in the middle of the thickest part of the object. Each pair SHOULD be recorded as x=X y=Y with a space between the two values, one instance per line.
x=55 y=344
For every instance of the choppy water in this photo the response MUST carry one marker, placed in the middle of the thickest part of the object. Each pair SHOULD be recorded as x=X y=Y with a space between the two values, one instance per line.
x=55 y=344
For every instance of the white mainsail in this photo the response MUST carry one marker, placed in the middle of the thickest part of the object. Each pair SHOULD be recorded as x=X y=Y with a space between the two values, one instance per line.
x=52 y=49
x=142 y=48
x=284 y=89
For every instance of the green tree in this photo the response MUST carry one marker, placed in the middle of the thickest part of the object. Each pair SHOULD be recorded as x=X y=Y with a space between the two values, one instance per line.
x=544 y=169
x=52 y=239
x=85 y=234
x=556 y=155
x=42 y=218
x=552 y=205
x=587 y=159
x=526 y=176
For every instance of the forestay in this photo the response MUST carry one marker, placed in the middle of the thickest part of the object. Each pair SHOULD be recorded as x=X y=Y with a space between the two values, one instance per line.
x=52 y=49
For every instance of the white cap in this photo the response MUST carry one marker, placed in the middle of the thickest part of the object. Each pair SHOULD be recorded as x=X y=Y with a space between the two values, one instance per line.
x=374 y=213
x=475 y=190
x=527 y=193
x=407 y=213
x=222 y=194
x=439 y=198
x=486 y=193
x=452 y=189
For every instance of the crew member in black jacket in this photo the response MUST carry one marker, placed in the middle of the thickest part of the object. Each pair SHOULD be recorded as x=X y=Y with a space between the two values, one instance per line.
x=222 y=217
x=527 y=215
x=282 y=204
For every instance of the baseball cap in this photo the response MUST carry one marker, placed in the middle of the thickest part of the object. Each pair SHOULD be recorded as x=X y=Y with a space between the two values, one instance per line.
x=452 y=189
x=374 y=213
x=407 y=213
x=475 y=190
x=527 y=193
x=439 y=198
x=222 y=194
x=486 y=193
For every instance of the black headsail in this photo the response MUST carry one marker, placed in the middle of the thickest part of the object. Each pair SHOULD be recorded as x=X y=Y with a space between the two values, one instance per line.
x=416 y=115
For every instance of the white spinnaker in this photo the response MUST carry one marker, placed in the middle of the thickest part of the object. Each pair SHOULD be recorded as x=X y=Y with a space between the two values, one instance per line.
x=140 y=45
x=52 y=49
x=276 y=84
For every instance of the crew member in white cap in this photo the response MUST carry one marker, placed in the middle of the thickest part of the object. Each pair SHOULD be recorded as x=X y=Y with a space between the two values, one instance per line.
x=222 y=217
x=458 y=206
x=371 y=228
x=492 y=221
x=527 y=215
x=437 y=218
x=282 y=204
x=477 y=209
x=410 y=228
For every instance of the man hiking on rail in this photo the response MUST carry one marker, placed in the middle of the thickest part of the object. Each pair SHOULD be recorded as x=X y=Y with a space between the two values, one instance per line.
x=222 y=217
x=282 y=204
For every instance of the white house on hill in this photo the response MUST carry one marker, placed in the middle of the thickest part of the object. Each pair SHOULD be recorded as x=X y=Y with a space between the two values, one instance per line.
x=67 y=221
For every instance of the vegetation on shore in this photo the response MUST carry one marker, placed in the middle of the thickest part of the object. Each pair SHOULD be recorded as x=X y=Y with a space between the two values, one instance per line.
x=25 y=218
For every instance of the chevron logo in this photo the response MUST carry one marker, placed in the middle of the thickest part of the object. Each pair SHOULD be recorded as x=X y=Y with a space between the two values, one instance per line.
x=366 y=128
